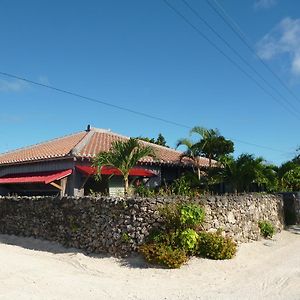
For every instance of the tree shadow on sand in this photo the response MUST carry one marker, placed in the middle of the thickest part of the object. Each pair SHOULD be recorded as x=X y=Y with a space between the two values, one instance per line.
x=134 y=261
x=294 y=229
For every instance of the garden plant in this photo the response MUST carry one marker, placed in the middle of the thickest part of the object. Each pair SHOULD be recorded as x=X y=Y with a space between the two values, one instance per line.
x=182 y=236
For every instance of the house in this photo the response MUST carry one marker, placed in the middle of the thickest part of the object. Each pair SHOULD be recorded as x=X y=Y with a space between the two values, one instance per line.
x=64 y=165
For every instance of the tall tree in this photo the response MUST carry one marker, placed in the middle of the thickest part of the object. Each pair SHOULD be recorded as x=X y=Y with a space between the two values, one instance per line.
x=211 y=144
x=191 y=152
x=159 y=141
x=246 y=170
x=290 y=181
x=123 y=155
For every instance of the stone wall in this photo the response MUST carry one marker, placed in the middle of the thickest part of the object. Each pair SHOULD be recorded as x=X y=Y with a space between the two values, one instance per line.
x=118 y=226
x=291 y=206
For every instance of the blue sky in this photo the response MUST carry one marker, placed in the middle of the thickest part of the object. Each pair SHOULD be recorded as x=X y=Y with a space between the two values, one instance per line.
x=141 y=55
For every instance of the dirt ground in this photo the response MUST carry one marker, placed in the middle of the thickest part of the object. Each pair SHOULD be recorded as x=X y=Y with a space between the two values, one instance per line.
x=35 y=269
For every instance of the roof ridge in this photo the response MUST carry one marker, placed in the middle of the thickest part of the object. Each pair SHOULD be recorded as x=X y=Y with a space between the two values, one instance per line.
x=82 y=143
x=124 y=136
x=38 y=144
x=160 y=146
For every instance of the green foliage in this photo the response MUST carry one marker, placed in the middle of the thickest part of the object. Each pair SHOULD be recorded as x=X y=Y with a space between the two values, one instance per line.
x=215 y=246
x=159 y=141
x=212 y=145
x=171 y=246
x=123 y=155
x=170 y=238
x=125 y=237
x=144 y=191
x=247 y=173
x=180 y=237
x=158 y=253
x=267 y=229
x=181 y=187
x=171 y=215
x=191 y=215
x=188 y=240
x=290 y=181
x=182 y=215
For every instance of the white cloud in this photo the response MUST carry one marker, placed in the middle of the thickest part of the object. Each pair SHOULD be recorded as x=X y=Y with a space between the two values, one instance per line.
x=283 y=40
x=14 y=85
x=264 y=4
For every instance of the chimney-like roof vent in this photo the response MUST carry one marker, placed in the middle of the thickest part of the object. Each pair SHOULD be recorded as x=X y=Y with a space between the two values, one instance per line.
x=88 y=128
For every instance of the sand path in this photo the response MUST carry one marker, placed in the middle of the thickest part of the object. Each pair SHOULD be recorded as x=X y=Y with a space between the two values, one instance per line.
x=35 y=269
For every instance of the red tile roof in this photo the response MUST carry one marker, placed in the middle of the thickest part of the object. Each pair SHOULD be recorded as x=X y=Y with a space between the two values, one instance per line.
x=56 y=148
x=86 y=145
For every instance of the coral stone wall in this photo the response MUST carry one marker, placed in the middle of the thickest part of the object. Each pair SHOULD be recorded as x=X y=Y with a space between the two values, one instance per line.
x=118 y=226
x=238 y=216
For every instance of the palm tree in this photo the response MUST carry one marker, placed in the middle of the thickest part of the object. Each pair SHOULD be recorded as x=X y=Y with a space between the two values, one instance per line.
x=212 y=144
x=123 y=156
x=246 y=170
x=290 y=181
x=191 y=152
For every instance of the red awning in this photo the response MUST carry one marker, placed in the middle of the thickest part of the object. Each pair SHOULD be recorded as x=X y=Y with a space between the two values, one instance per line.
x=43 y=177
x=87 y=170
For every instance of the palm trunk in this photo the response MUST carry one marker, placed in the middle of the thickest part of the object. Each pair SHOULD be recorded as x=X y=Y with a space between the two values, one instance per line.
x=126 y=185
x=199 y=173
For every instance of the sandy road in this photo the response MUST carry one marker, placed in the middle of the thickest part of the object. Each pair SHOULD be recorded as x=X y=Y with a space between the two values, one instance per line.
x=35 y=269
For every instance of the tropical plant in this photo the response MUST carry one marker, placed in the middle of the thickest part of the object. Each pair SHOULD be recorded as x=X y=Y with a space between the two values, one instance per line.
x=160 y=140
x=211 y=144
x=192 y=152
x=180 y=236
x=215 y=246
x=157 y=253
x=245 y=171
x=267 y=229
x=290 y=181
x=123 y=155
x=182 y=215
x=188 y=240
x=191 y=215
x=181 y=187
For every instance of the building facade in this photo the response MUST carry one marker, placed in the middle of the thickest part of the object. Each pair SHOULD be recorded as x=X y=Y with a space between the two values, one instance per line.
x=64 y=165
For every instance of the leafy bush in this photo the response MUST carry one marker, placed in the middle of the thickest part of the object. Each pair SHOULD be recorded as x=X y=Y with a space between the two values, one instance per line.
x=170 y=213
x=157 y=253
x=125 y=238
x=191 y=215
x=267 y=229
x=169 y=238
x=180 y=237
x=214 y=246
x=188 y=240
x=182 y=215
x=182 y=187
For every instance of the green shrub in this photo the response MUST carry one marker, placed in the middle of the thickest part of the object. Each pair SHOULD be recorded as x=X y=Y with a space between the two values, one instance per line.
x=125 y=238
x=182 y=215
x=191 y=215
x=170 y=213
x=181 y=187
x=189 y=240
x=267 y=229
x=215 y=246
x=169 y=238
x=164 y=255
x=144 y=191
